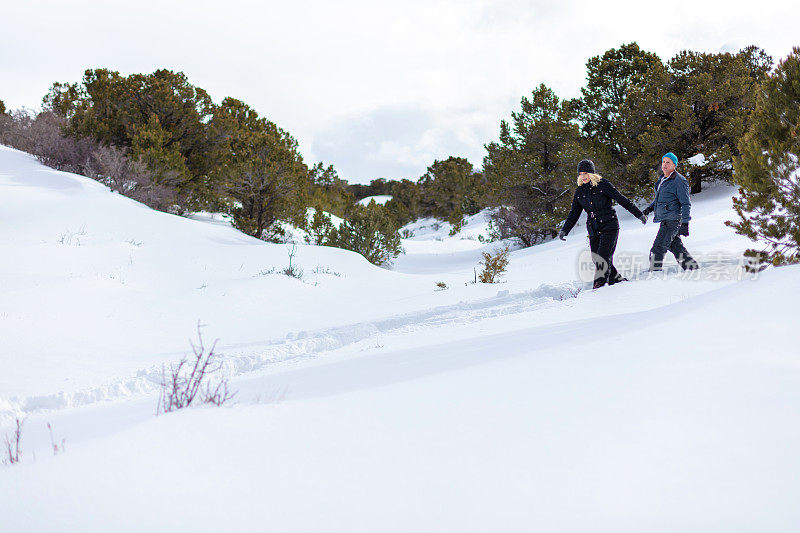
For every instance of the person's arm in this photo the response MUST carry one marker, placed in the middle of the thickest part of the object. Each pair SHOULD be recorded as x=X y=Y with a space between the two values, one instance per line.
x=683 y=197
x=572 y=217
x=613 y=193
x=652 y=207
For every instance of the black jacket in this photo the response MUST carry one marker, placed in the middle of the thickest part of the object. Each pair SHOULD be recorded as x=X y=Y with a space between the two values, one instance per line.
x=598 y=201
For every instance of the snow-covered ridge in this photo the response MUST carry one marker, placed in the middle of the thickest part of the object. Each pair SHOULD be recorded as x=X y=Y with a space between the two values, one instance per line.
x=246 y=358
x=379 y=199
x=99 y=288
x=409 y=399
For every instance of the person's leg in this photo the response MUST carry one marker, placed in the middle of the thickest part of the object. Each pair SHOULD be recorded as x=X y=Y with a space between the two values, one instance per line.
x=682 y=255
x=667 y=231
x=599 y=262
x=606 y=248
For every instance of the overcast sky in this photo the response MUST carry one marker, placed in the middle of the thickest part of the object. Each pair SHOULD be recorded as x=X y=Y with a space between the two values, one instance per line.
x=378 y=89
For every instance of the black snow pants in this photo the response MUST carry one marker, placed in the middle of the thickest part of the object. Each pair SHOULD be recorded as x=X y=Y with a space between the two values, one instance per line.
x=667 y=238
x=603 y=243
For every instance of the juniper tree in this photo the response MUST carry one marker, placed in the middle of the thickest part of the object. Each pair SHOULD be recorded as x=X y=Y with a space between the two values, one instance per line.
x=530 y=171
x=261 y=172
x=368 y=231
x=409 y=194
x=164 y=163
x=607 y=124
x=319 y=227
x=449 y=187
x=768 y=170
x=112 y=109
x=328 y=191
x=696 y=103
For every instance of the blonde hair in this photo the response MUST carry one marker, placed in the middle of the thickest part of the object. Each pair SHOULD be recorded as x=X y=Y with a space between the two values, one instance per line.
x=594 y=179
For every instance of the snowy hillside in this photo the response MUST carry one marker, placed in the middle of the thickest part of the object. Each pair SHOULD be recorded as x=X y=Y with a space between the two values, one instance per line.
x=379 y=199
x=368 y=400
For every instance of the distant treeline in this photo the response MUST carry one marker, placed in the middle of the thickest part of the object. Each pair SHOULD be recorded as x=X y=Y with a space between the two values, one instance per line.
x=163 y=141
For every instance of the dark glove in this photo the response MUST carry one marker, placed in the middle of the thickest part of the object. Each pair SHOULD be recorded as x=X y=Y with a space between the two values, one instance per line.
x=684 y=229
x=643 y=218
x=647 y=210
x=562 y=235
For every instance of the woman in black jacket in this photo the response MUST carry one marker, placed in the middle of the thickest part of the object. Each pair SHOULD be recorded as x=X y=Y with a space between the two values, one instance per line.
x=595 y=196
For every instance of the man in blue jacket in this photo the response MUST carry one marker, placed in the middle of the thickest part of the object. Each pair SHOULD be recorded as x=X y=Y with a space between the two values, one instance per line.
x=672 y=207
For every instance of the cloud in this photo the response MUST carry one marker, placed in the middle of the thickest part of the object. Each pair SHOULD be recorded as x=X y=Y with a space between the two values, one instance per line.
x=402 y=141
x=379 y=89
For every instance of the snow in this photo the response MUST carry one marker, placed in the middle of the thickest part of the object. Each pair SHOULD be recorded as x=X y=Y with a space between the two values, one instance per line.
x=370 y=401
x=697 y=160
x=431 y=248
x=378 y=199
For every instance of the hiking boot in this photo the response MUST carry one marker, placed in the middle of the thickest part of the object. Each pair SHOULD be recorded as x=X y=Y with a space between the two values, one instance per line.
x=690 y=265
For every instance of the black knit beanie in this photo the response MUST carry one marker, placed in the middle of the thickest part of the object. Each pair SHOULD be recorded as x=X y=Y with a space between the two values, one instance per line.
x=586 y=166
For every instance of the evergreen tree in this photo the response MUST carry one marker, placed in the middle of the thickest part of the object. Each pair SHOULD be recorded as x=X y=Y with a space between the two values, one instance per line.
x=2 y=108
x=162 y=159
x=607 y=125
x=320 y=227
x=768 y=171
x=531 y=170
x=112 y=109
x=261 y=171
x=698 y=103
x=409 y=194
x=448 y=187
x=368 y=231
x=329 y=192
x=398 y=213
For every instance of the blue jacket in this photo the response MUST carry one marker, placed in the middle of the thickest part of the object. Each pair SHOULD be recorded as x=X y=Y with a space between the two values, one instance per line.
x=672 y=199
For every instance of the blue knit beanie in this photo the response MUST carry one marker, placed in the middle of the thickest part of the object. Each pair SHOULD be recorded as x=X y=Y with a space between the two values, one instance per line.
x=671 y=156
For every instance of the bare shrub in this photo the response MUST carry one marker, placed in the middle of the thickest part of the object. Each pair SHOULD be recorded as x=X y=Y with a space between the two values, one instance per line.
x=15 y=129
x=72 y=238
x=56 y=447
x=55 y=150
x=13 y=444
x=320 y=269
x=494 y=265
x=42 y=135
x=293 y=270
x=194 y=380
x=530 y=214
x=272 y=396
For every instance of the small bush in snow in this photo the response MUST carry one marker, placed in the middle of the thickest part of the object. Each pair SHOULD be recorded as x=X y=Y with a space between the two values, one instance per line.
x=319 y=229
x=56 y=447
x=13 y=444
x=494 y=266
x=319 y=269
x=457 y=222
x=292 y=270
x=71 y=238
x=195 y=380
x=367 y=231
x=441 y=286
